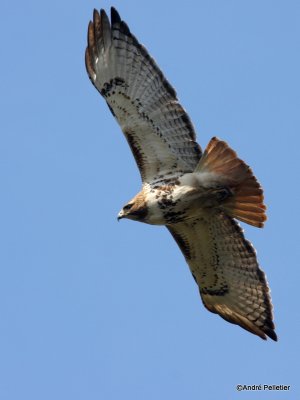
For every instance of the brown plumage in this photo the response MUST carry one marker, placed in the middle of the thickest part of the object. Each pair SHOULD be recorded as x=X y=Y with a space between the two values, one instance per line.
x=197 y=197
x=246 y=204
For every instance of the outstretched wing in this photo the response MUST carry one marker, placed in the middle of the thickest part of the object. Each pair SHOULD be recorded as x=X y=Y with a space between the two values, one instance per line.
x=224 y=266
x=157 y=128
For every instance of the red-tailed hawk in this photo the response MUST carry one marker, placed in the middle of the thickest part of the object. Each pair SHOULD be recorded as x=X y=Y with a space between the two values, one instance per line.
x=196 y=196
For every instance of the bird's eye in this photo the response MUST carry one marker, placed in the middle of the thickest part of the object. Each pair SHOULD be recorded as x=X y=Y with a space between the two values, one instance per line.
x=128 y=206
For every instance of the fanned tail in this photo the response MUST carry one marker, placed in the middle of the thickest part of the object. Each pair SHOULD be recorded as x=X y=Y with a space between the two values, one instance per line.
x=246 y=203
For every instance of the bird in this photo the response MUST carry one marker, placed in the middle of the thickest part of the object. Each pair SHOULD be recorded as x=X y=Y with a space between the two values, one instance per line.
x=197 y=195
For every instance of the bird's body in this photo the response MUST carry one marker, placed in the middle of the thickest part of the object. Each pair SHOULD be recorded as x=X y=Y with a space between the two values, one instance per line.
x=167 y=202
x=177 y=199
x=196 y=195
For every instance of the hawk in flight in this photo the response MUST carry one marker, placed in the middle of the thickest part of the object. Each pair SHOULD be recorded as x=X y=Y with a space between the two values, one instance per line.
x=197 y=195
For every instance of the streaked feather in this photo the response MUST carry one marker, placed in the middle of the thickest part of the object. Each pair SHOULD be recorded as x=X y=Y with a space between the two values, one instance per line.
x=142 y=100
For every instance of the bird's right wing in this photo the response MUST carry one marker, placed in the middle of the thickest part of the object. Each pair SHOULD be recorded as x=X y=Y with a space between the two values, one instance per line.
x=157 y=128
x=225 y=267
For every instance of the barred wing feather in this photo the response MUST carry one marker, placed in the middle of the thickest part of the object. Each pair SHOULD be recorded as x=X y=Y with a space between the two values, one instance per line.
x=225 y=267
x=157 y=128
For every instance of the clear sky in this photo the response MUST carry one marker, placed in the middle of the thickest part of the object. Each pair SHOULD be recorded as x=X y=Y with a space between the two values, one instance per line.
x=95 y=309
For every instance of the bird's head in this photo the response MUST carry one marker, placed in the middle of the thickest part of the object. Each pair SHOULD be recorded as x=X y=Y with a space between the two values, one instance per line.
x=135 y=209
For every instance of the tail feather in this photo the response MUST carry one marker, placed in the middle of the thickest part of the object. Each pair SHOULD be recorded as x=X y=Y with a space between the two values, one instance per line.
x=246 y=204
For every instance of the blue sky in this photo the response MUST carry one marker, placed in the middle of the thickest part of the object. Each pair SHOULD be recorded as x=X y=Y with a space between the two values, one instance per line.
x=95 y=309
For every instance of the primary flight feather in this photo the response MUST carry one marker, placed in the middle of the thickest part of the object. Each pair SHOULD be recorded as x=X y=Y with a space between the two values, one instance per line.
x=196 y=196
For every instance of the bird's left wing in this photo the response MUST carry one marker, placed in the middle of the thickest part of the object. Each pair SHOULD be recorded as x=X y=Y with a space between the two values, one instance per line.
x=157 y=128
x=225 y=267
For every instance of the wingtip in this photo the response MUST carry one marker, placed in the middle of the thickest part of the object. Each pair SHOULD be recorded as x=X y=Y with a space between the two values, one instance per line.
x=95 y=14
x=125 y=28
x=265 y=332
x=272 y=335
x=103 y=14
x=115 y=16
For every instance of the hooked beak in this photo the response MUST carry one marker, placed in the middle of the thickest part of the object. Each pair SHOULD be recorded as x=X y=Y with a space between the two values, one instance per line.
x=120 y=215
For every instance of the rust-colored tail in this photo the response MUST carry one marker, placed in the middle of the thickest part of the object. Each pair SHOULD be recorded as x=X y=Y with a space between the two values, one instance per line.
x=246 y=203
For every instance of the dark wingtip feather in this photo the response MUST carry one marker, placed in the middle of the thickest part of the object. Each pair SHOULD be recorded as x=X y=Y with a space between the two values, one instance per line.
x=125 y=28
x=104 y=20
x=105 y=29
x=271 y=334
x=114 y=15
x=103 y=15
x=95 y=14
